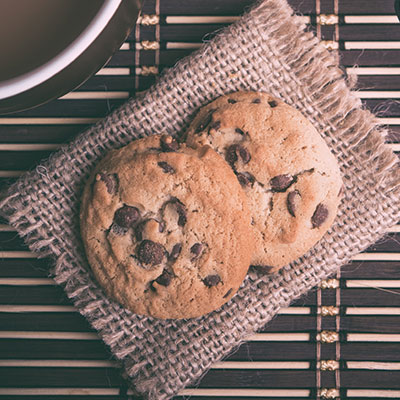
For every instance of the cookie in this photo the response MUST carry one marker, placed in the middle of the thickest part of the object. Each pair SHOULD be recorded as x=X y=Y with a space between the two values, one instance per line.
x=291 y=178
x=167 y=229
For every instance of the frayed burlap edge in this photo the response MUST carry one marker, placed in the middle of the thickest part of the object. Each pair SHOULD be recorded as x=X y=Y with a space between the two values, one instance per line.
x=267 y=49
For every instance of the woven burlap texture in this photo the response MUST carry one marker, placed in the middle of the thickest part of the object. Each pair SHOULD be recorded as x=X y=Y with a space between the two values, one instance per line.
x=268 y=49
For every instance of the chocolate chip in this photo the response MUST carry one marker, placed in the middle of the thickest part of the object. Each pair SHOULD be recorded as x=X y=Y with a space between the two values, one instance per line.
x=118 y=230
x=239 y=131
x=164 y=279
x=291 y=201
x=227 y=293
x=196 y=250
x=150 y=252
x=272 y=103
x=126 y=216
x=205 y=122
x=212 y=280
x=176 y=250
x=215 y=125
x=139 y=231
x=281 y=182
x=320 y=215
x=244 y=154
x=166 y=167
x=110 y=180
x=245 y=178
x=231 y=155
x=271 y=204
x=231 y=101
x=235 y=151
x=256 y=101
x=168 y=143
x=180 y=208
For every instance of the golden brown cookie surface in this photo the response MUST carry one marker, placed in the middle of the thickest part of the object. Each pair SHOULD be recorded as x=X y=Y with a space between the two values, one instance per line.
x=291 y=178
x=166 y=230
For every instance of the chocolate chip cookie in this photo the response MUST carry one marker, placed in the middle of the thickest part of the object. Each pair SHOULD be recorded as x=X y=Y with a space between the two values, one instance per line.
x=167 y=229
x=291 y=178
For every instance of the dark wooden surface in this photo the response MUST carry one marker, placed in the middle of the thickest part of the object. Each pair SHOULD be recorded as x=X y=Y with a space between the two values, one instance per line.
x=49 y=351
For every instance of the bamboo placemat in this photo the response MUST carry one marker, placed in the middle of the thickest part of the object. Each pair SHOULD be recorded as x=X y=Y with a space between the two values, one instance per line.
x=341 y=341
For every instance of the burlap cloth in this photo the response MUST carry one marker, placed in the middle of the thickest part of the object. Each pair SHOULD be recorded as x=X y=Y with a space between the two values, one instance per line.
x=268 y=49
